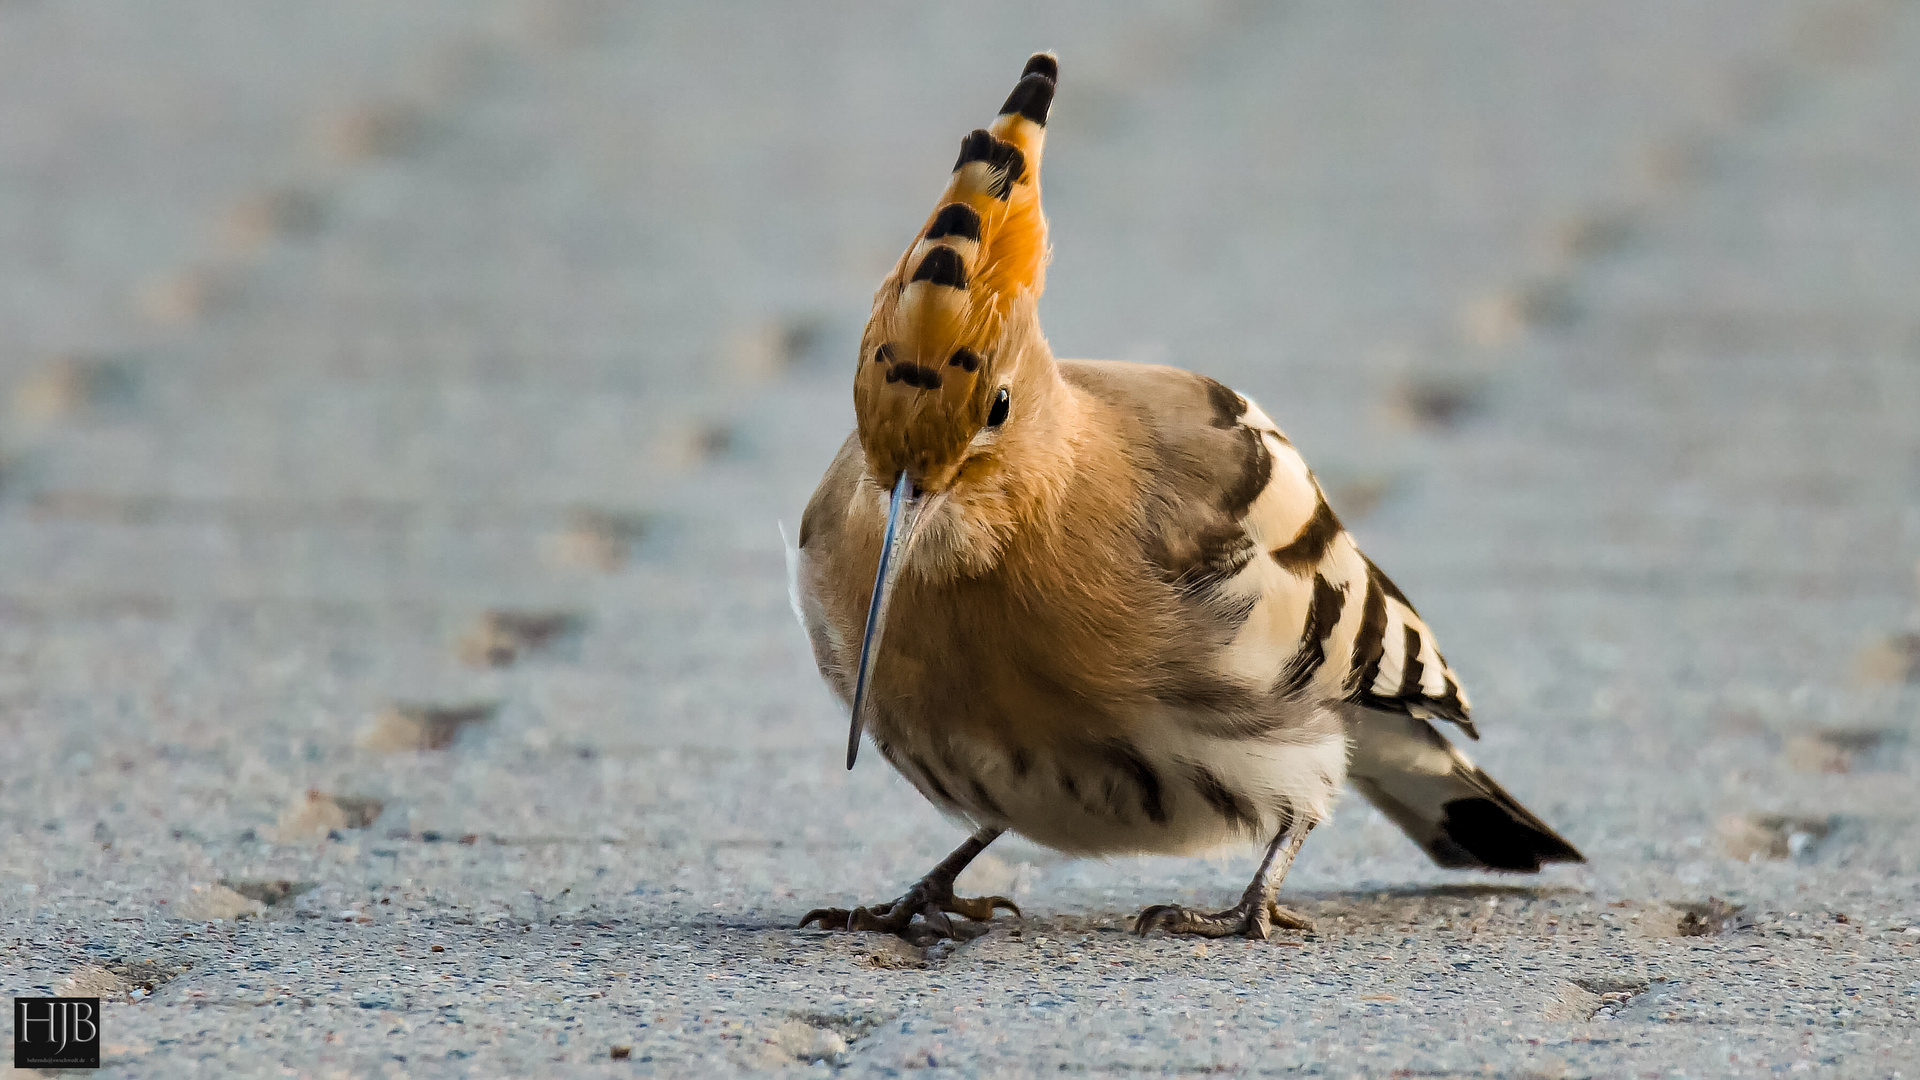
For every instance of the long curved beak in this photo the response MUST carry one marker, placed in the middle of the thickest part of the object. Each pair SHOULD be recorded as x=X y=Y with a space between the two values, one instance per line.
x=903 y=514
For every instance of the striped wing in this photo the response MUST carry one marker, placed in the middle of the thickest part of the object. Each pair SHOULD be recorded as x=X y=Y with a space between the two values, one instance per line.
x=1321 y=618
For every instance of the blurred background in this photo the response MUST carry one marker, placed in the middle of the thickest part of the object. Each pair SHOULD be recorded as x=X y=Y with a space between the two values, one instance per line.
x=402 y=400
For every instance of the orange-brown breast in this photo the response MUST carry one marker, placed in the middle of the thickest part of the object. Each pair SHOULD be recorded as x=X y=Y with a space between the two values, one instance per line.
x=1077 y=631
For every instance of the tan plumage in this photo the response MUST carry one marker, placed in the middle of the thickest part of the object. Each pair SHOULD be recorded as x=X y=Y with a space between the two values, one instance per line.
x=1121 y=617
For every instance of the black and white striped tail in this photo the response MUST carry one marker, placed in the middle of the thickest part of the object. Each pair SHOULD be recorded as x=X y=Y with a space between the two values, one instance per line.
x=1444 y=802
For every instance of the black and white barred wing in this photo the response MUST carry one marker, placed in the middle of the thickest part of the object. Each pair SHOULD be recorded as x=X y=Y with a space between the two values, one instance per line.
x=1324 y=624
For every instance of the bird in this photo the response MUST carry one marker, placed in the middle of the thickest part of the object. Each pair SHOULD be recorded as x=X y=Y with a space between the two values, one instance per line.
x=1102 y=605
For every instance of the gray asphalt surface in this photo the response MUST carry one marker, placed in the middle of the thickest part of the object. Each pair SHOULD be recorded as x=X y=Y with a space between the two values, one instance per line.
x=329 y=331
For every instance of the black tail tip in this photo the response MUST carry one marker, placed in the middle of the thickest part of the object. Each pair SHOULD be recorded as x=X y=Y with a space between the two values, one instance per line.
x=1031 y=98
x=1495 y=837
x=1042 y=63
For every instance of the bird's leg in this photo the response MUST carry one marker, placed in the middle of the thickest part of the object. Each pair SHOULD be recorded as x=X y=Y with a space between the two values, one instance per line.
x=931 y=899
x=1255 y=914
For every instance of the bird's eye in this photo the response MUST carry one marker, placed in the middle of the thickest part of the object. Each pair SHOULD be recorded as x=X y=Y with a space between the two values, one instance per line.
x=1002 y=402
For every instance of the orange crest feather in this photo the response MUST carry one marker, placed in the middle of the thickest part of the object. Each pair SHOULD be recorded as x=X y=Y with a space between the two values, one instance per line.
x=939 y=338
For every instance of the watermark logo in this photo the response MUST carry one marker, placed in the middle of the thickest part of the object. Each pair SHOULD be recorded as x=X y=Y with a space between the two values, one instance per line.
x=56 y=1033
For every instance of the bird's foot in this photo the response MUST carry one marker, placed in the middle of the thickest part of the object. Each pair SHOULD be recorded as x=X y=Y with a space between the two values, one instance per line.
x=1245 y=919
x=930 y=902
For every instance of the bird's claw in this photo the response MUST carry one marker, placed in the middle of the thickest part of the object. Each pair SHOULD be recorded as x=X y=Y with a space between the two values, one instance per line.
x=1286 y=918
x=931 y=902
x=981 y=908
x=1243 y=919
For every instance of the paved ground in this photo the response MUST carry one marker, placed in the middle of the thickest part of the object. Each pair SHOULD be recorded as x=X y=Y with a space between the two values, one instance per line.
x=330 y=330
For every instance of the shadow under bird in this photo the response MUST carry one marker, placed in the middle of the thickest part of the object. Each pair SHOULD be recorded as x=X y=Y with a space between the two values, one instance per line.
x=1106 y=605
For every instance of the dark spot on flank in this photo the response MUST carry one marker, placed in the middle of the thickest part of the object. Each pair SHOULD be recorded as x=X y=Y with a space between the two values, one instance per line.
x=1127 y=760
x=1323 y=611
x=1031 y=98
x=1229 y=805
x=1306 y=549
x=942 y=266
x=1043 y=65
x=1022 y=761
x=1068 y=784
x=912 y=374
x=1228 y=406
x=933 y=780
x=1004 y=159
x=965 y=358
x=983 y=799
x=955 y=219
x=883 y=355
x=1233 y=712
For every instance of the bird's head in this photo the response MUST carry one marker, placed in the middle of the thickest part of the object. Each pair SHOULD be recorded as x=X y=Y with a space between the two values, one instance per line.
x=956 y=389
x=953 y=332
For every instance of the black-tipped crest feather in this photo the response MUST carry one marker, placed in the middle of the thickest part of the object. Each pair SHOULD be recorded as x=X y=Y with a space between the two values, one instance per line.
x=1031 y=98
x=954 y=219
x=1042 y=64
x=1004 y=159
x=942 y=266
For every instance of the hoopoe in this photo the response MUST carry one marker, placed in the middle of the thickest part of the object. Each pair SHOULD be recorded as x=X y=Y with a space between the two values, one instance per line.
x=1106 y=605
